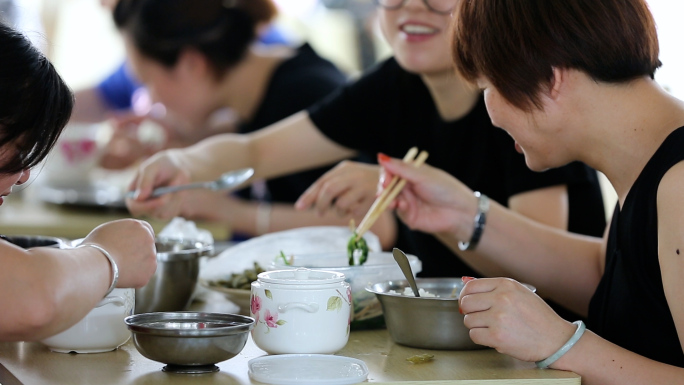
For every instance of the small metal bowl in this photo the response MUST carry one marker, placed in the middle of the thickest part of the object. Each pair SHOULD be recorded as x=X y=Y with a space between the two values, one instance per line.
x=29 y=241
x=426 y=322
x=189 y=342
x=173 y=283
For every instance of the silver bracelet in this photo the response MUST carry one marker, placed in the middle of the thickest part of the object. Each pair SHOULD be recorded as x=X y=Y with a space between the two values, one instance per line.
x=112 y=263
x=543 y=364
x=480 y=220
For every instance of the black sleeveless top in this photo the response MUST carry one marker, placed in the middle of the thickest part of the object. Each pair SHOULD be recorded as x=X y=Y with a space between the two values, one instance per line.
x=629 y=307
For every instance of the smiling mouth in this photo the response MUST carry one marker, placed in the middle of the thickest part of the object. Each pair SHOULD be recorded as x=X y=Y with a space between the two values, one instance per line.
x=417 y=29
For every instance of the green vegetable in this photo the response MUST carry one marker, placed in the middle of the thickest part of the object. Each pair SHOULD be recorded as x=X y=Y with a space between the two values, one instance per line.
x=357 y=244
x=286 y=261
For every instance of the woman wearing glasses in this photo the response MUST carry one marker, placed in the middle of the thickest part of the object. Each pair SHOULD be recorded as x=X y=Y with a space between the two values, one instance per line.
x=412 y=99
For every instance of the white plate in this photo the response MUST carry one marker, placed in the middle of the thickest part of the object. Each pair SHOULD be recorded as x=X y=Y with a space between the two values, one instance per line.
x=264 y=249
x=304 y=369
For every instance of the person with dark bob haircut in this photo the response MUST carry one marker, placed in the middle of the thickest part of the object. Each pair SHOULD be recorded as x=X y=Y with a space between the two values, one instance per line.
x=197 y=60
x=46 y=290
x=579 y=85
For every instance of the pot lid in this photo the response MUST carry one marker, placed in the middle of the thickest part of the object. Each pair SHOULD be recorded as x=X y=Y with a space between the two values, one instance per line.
x=303 y=369
x=301 y=276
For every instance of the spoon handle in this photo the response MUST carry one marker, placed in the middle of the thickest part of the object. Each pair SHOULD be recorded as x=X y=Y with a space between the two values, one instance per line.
x=405 y=267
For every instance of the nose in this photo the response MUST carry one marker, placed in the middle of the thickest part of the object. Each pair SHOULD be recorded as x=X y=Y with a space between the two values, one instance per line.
x=25 y=175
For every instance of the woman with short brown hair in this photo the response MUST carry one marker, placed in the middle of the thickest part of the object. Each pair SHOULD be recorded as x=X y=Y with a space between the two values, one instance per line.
x=573 y=80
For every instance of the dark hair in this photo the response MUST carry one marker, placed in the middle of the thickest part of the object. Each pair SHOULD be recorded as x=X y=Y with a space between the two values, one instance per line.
x=35 y=103
x=222 y=30
x=516 y=44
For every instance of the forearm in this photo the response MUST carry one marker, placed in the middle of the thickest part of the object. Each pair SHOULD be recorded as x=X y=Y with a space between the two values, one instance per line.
x=291 y=145
x=601 y=362
x=563 y=266
x=50 y=290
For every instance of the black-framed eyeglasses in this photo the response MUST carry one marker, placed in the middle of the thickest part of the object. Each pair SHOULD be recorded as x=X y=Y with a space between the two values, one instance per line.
x=443 y=7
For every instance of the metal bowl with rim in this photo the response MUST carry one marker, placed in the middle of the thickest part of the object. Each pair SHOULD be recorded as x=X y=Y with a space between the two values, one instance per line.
x=425 y=322
x=173 y=283
x=189 y=342
x=30 y=241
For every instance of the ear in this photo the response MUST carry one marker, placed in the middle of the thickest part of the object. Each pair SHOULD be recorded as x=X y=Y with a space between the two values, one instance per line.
x=191 y=63
x=558 y=82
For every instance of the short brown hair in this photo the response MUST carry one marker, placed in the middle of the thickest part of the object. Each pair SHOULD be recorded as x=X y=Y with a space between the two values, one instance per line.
x=515 y=44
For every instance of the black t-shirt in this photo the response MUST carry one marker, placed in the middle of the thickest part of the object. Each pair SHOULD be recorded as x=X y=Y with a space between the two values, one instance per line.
x=390 y=110
x=297 y=83
x=629 y=307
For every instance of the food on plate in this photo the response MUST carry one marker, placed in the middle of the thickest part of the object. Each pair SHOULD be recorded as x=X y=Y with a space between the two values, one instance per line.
x=239 y=280
x=409 y=292
x=287 y=261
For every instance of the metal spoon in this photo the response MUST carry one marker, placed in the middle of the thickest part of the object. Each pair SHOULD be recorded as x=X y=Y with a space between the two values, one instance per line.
x=224 y=182
x=405 y=266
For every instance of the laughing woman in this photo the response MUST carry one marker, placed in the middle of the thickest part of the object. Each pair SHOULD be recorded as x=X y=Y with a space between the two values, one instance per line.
x=588 y=95
x=46 y=290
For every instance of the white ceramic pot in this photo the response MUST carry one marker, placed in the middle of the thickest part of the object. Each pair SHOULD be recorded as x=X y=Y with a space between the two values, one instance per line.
x=301 y=311
x=101 y=330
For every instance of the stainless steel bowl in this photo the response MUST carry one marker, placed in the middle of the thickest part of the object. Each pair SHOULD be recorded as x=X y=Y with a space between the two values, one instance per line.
x=189 y=342
x=174 y=281
x=29 y=241
x=425 y=322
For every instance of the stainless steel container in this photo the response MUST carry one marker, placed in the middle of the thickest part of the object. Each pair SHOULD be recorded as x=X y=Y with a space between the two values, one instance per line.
x=425 y=322
x=173 y=283
x=29 y=241
x=189 y=342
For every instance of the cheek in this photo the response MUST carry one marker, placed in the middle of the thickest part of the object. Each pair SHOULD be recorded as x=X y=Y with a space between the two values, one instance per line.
x=387 y=25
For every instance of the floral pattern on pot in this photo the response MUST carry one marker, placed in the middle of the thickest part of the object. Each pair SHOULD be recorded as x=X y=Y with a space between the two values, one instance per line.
x=270 y=319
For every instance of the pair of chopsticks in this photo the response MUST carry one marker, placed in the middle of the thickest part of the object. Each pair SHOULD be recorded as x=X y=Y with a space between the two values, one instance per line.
x=389 y=193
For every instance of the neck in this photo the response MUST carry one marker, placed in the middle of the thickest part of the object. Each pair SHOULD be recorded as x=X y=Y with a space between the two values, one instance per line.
x=626 y=125
x=453 y=97
x=243 y=87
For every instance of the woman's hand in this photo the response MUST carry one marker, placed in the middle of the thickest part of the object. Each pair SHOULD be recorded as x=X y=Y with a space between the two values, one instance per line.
x=507 y=316
x=163 y=169
x=350 y=187
x=131 y=243
x=432 y=200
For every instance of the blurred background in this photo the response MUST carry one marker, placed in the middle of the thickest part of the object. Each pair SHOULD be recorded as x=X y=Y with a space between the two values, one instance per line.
x=80 y=38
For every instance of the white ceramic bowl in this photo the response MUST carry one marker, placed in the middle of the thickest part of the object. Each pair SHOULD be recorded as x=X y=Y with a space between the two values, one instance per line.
x=101 y=330
x=301 y=311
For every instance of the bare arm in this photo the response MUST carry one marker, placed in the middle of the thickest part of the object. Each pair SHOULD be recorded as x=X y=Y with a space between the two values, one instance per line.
x=671 y=243
x=506 y=316
x=291 y=145
x=46 y=290
x=564 y=266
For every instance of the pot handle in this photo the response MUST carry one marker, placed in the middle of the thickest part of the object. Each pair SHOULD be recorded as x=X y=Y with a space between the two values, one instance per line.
x=118 y=301
x=308 y=307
